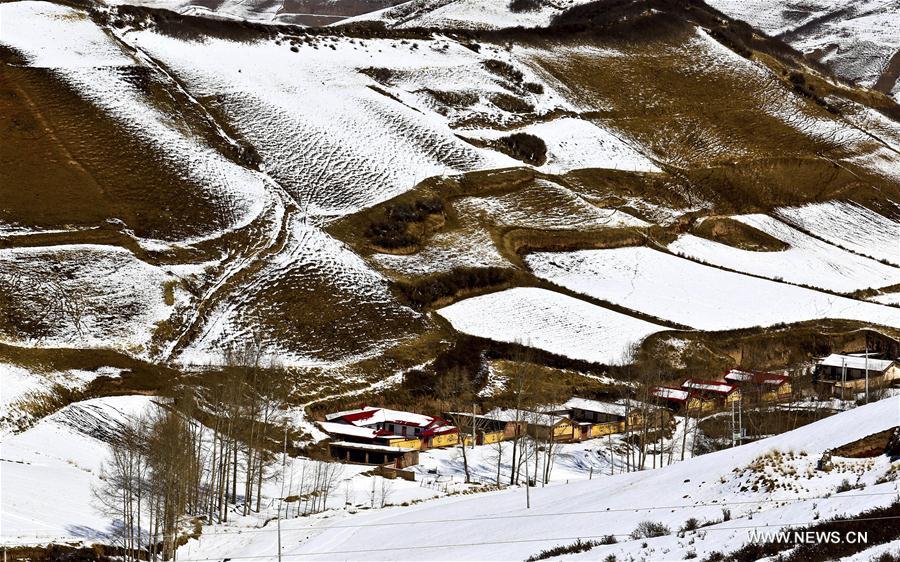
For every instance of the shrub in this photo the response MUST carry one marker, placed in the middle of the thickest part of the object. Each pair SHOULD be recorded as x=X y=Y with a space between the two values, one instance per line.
x=608 y=539
x=454 y=99
x=846 y=486
x=504 y=69
x=518 y=6
x=649 y=529
x=380 y=75
x=524 y=146
x=691 y=524
x=425 y=291
x=510 y=103
x=577 y=546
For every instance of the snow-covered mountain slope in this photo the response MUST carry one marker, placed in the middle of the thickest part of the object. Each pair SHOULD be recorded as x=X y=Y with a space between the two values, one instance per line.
x=858 y=40
x=497 y=525
x=293 y=12
x=469 y=14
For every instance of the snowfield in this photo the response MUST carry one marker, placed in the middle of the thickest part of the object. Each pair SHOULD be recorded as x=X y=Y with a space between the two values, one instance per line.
x=544 y=205
x=574 y=144
x=20 y=383
x=856 y=39
x=696 y=295
x=465 y=14
x=849 y=226
x=306 y=111
x=319 y=271
x=48 y=470
x=550 y=321
x=497 y=526
x=85 y=296
x=808 y=261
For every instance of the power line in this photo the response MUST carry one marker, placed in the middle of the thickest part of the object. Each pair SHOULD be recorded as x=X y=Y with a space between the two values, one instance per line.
x=233 y=531
x=517 y=541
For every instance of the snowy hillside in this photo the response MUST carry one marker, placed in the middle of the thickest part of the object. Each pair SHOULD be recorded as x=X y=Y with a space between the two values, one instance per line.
x=859 y=40
x=496 y=525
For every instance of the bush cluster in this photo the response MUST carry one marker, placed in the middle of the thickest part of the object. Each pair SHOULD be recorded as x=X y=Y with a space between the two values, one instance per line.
x=429 y=290
x=391 y=233
x=524 y=146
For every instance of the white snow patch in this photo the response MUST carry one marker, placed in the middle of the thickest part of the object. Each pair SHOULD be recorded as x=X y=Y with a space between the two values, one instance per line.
x=696 y=295
x=808 y=261
x=550 y=321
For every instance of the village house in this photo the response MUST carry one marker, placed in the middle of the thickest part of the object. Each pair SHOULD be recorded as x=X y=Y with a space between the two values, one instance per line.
x=712 y=394
x=682 y=401
x=370 y=435
x=849 y=372
x=597 y=418
x=488 y=430
x=763 y=387
x=386 y=427
x=540 y=425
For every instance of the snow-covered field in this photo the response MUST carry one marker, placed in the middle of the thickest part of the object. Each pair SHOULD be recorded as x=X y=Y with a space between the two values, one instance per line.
x=848 y=226
x=700 y=296
x=550 y=321
x=311 y=267
x=497 y=525
x=48 y=470
x=85 y=295
x=19 y=383
x=808 y=261
x=574 y=144
x=68 y=42
x=545 y=204
x=329 y=139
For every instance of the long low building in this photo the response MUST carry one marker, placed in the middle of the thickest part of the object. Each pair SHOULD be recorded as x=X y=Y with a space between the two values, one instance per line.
x=849 y=372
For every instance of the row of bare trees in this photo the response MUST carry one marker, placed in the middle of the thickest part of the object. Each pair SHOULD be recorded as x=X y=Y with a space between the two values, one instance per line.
x=201 y=457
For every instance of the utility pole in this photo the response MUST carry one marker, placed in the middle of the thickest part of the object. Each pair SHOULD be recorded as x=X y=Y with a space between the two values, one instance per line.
x=281 y=499
x=473 y=427
x=843 y=376
x=867 y=372
x=528 y=483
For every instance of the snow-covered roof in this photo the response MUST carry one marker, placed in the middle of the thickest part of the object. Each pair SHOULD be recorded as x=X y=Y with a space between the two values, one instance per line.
x=709 y=386
x=596 y=406
x=350 y=430
x=669 y=393
x=369 y=415
x=370 y=447
x=534 y=418
x=853 y=362
x=337 y=415
x=738 y=376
